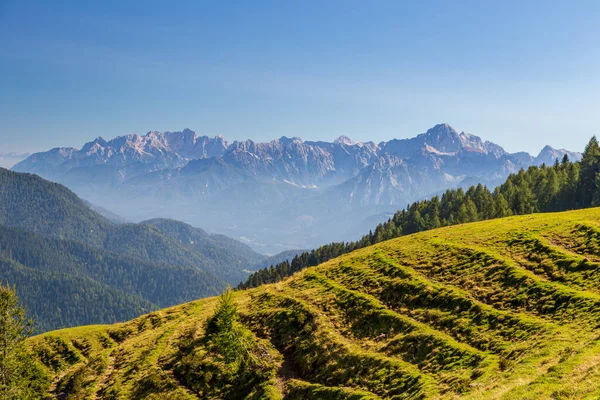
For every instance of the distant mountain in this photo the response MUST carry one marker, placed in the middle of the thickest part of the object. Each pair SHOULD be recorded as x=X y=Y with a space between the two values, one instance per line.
x=125 y=156
x=549 y=155
x=98 y=271
x=277 y=258
x=286 y=193
x=109 y=215
x=7 y=160
x=223 y=256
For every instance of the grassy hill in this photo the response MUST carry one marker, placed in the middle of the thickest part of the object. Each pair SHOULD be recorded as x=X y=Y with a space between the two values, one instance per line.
x=502 y=309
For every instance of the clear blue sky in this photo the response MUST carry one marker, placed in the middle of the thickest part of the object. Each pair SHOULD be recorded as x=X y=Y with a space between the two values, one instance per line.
x=520 y=73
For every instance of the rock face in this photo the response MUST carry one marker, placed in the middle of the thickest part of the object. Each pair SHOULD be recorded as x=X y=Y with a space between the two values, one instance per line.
x=286 y=193
x=549 y=155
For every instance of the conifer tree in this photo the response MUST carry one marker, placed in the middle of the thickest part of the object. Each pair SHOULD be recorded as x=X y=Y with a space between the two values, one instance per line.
x=590 y=167
x=14 y=363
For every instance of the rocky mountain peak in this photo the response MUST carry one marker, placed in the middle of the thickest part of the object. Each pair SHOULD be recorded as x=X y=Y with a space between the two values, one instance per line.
x=548 y=155
x=284 y=140
x=344 y=140
x=444 y=139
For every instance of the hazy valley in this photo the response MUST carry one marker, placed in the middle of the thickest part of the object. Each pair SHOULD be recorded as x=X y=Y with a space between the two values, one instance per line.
x=323 y=191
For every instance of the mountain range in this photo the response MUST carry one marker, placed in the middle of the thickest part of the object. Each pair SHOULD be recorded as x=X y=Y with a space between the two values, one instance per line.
x=284 y=194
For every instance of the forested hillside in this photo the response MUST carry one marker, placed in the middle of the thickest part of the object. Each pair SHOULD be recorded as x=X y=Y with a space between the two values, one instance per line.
x=278 y=258
x=222 y=255
x=72 y=266
x=563 y=186
x=49 y=209
x=503 y=309
x=39 y=206
x=67 y=283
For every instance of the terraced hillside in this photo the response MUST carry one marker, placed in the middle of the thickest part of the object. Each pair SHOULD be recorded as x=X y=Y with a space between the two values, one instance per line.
x=503 y=309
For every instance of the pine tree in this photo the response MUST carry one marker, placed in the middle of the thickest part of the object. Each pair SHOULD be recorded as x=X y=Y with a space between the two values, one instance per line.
x=467 y=211
x=228 y=338
x=590 y=167
x=549 y=190
x=14 y=329
x=501 y=207
x=596 y=193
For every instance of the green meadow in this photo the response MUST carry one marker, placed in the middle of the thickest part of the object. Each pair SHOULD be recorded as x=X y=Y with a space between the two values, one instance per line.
x=502 y=309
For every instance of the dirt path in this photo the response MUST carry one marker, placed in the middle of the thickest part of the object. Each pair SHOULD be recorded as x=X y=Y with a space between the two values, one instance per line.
x=105 y=377
x=284 y=374
x=59 y=377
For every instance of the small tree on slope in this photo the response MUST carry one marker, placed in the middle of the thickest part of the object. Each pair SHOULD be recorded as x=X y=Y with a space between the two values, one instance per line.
x=14 y=329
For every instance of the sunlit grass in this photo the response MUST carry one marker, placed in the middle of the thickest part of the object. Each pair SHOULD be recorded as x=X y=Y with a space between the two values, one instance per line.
x=502 y=309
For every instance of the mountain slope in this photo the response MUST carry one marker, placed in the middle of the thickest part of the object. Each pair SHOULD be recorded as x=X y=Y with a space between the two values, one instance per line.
x=503 y=309
x=67 y=283
x=49 y=209
x=55 y=299
x=72 y=266
x=228 y=258
x=46 y=208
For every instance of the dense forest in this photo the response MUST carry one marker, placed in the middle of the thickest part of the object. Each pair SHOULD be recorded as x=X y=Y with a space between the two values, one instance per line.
x=89 y=284
x=563 y=186
x=49 y=209
x=71 y=266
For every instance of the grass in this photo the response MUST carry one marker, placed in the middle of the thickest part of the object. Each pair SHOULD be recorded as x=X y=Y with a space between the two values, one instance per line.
x=501 y=309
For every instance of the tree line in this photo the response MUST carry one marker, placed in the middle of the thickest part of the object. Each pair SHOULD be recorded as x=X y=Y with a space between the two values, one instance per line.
x=563 y=186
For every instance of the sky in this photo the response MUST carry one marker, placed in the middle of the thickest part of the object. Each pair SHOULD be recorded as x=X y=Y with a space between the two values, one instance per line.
x=522 y=74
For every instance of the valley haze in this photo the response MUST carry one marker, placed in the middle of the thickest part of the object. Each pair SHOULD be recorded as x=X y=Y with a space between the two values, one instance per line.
x=278 y=195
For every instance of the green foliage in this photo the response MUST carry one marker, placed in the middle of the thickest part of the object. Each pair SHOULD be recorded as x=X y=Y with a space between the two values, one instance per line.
x=75 y=267
x=89 y=284
x=19 y=375
x=232 y=364
x=228 y=337
x=590 y=170
x=49 y=209
x=507 y=308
